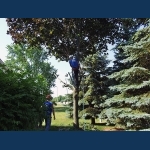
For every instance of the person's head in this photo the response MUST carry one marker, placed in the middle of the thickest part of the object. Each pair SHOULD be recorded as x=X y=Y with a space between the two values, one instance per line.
x=70 y=57
x=48 y=97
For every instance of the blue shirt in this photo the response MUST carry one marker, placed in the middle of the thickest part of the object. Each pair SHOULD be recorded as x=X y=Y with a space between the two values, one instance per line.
x=74 y=63
x=48 y=106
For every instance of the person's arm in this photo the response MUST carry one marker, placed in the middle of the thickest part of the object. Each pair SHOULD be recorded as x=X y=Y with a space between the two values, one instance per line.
x=70 y=63
x=53 y=111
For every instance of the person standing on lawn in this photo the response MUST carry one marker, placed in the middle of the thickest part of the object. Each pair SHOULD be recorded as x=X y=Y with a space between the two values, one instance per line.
x=49 y=109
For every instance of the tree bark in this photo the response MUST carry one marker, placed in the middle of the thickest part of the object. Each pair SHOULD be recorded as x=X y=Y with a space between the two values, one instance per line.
x=75 y=103
x=75 y=108
x=92 y=120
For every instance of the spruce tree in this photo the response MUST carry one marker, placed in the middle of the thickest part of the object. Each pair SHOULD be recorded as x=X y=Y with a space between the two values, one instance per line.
x=130 y=108
x=94 y=86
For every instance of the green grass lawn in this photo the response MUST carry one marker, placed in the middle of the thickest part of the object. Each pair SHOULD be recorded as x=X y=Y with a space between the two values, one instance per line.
x=63 y=123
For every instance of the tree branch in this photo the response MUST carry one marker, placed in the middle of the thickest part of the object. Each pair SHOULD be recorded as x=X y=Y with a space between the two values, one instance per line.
x=67 y=85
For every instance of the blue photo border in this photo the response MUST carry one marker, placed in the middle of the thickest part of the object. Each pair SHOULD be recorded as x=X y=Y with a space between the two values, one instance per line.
x=67 y=140
x=74 y=8
x=75 y=140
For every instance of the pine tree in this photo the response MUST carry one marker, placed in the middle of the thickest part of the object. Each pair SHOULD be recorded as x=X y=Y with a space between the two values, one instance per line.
x=94 y=85
x=130 y=108
x=129 y=28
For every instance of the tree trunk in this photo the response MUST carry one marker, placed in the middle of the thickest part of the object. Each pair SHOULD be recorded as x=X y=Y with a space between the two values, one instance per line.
x=92 y=120
x=76 y=90
x=75 y=108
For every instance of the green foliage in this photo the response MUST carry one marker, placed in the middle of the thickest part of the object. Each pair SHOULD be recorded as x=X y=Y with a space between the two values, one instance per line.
x=60 y=98
x=89 y=112
x=95 y=85
x=68 y=102
x=19 y=103
x=25 y=80
x=130 y=107
x=60 y=35
x=31 y=62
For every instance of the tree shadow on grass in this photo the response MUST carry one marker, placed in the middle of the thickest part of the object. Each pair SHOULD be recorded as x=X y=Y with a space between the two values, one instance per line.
x=108 y=127
x=102 y=126
x=60 y=128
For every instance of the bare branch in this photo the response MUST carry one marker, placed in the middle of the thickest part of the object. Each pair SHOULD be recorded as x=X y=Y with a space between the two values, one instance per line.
x=67 y=85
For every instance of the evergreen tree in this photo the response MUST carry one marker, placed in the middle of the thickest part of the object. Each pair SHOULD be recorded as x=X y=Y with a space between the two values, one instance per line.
x=129 y=28
x=130 y=108
x=95 y=86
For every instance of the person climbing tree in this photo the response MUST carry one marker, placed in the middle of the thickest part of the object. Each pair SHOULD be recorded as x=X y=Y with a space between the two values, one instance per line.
x=75 y=68
x=70 y=59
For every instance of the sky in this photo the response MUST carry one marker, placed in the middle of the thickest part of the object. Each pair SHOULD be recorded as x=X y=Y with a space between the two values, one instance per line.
x=62 y=67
